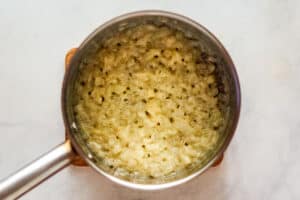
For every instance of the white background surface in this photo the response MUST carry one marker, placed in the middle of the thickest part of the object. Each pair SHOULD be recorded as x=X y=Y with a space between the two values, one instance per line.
x=263 y=38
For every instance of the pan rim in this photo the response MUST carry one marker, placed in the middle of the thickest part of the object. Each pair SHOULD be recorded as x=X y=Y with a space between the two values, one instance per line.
x=235 y=119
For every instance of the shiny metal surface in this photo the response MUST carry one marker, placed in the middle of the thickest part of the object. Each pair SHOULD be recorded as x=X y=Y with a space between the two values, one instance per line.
x=28 y=177
x=226 y=72
x=35 y=172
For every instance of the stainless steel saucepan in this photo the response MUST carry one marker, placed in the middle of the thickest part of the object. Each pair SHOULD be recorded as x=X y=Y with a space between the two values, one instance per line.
x=62 y=155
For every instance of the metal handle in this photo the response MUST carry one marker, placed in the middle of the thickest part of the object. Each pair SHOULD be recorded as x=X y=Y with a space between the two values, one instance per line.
x=34 y=173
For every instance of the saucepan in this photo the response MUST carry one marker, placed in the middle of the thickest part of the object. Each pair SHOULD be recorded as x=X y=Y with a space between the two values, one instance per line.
x=61 y=156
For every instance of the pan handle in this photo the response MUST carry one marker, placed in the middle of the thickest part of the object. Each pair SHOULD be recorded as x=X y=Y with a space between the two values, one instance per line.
x=34 y=173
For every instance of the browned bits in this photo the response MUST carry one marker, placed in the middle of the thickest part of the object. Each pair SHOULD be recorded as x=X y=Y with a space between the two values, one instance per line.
x=204 y=55
x=147 y=114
